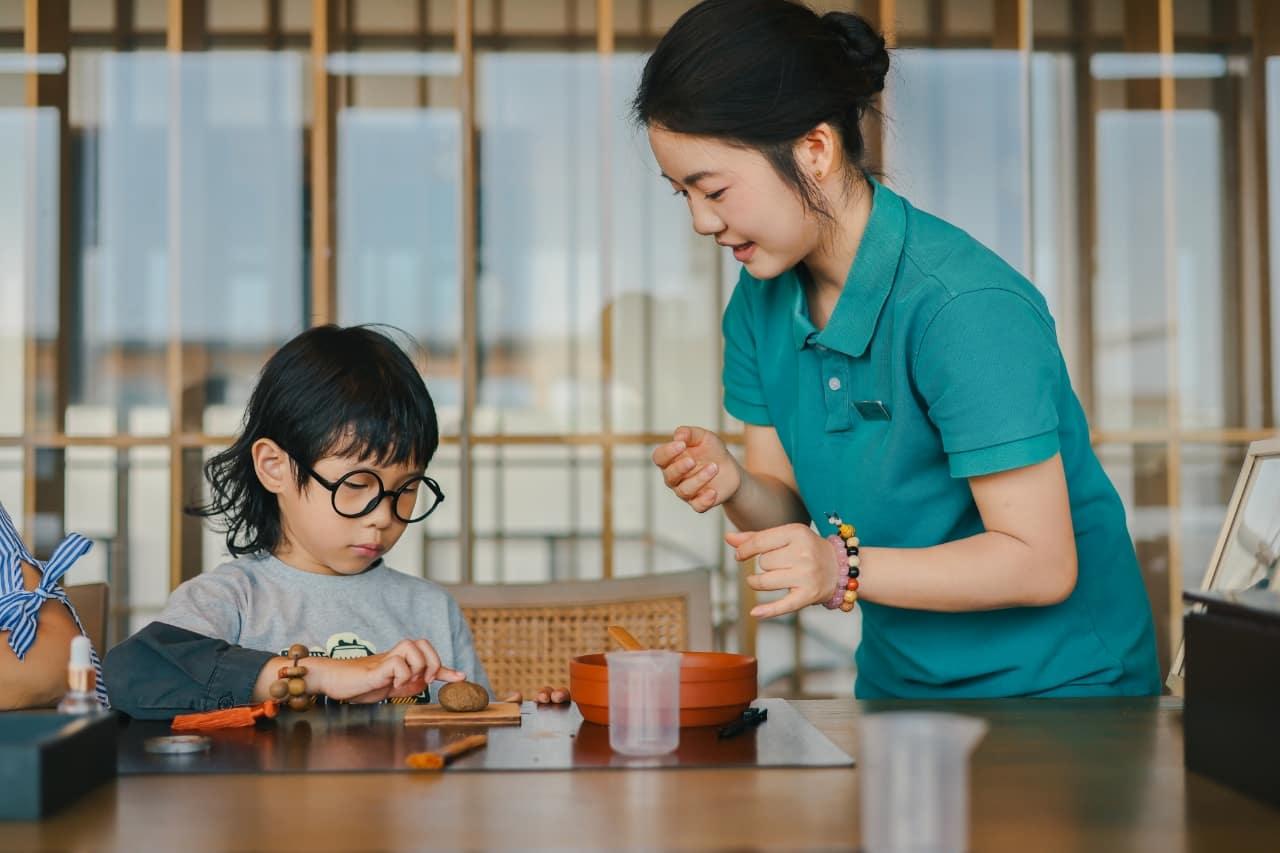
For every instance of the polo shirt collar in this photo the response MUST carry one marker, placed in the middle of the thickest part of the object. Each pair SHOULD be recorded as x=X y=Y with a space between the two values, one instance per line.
x=866 y=289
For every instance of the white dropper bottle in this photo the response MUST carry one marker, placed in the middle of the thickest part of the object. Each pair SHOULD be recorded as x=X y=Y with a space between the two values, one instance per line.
x=81 y=680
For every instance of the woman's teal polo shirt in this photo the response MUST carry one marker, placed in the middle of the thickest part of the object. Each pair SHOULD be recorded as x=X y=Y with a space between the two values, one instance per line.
x=940 y=362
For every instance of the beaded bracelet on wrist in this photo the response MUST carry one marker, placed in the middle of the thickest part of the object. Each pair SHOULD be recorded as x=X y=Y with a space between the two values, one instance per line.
x=848 y=557
x=291 y=681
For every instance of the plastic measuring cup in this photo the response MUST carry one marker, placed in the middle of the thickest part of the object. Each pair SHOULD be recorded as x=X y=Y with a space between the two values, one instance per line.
x=914 y=784
x=644 y=701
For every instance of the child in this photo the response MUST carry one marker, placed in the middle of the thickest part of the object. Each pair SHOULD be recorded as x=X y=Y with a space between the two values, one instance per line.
x=322 y=481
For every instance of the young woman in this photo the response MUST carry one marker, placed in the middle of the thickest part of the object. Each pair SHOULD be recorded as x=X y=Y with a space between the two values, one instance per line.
x=894 y=375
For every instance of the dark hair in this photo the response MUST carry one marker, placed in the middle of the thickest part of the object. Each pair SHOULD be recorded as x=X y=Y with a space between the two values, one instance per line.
x=761 y=74
x=330 y=391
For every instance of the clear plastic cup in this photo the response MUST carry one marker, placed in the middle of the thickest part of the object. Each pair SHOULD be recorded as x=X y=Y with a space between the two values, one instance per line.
x=644 y=701
x=914 y=784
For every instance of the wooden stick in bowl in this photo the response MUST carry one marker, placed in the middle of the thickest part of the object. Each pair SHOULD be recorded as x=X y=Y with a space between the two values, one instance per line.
x=623 y=637
x=437 y=760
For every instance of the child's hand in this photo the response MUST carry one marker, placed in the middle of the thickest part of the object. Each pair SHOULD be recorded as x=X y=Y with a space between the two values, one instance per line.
x=405 y=670
x=698 y=468
x=545 y=696
x=791 y=557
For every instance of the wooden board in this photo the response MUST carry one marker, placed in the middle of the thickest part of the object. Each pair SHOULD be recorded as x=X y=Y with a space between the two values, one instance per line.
x=497 y=714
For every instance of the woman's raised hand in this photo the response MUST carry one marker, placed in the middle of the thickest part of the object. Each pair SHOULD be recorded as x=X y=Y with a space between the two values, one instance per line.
x=698 y=468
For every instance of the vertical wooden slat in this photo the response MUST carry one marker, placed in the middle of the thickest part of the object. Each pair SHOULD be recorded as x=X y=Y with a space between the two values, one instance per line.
x=274 y=23
x=1232 y=234
x=882 y=16
x=464 y=46
x=186 y=367
x=122 y=31
x=1086 y=204
x=1149 y=30
x=47 y=31
x=605 y=48
x=1012 y=25
x=1266 y=43
x=423 y=23
x=324 y=32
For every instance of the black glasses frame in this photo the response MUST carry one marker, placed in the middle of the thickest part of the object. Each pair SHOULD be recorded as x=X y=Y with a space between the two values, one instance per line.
x=383 y=492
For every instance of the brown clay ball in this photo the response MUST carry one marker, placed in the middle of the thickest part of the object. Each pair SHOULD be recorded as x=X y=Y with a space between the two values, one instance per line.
x=463 y=696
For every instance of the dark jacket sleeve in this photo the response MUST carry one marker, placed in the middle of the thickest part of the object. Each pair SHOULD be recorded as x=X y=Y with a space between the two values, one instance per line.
x=163 y=671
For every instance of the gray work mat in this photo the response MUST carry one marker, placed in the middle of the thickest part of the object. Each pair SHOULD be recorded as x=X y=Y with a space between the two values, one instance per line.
x=373 y=738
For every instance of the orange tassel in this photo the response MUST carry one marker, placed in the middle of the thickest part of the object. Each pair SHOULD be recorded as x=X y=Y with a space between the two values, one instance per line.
x=228 y=718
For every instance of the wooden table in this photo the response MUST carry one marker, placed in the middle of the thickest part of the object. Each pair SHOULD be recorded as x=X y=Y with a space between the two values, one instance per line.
x=1094 y=775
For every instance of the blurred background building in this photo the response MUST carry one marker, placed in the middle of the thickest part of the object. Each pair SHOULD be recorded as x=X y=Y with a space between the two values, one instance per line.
x=186 y=185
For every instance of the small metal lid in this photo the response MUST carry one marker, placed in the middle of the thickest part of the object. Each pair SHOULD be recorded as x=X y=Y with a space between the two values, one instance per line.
x=177 y=744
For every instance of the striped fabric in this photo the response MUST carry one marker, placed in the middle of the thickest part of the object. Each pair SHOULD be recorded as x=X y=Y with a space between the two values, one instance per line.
x=20 y=608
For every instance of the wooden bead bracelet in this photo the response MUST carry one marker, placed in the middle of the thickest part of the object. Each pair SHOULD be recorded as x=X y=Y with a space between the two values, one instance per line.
x=291 y=681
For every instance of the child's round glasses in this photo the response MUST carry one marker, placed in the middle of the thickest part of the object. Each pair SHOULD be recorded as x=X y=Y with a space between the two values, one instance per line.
x=358 y=493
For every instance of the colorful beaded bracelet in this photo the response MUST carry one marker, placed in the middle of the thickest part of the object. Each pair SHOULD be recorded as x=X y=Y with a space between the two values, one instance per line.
x=291 y=681
x=846 y=545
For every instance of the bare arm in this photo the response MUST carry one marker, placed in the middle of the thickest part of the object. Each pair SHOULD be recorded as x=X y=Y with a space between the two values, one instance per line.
x=39 y=680
x=1025 y=557
x=768 y=495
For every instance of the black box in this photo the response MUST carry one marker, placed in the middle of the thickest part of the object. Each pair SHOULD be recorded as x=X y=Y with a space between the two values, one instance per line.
x=49 y=759
x=1232 y=684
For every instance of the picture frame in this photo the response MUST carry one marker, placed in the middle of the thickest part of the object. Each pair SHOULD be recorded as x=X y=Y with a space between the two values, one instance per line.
x=1247 y=554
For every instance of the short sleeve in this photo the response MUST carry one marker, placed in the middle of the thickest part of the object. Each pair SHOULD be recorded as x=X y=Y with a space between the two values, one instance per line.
x=743 y=391
x=990 y=372
x=208 y=604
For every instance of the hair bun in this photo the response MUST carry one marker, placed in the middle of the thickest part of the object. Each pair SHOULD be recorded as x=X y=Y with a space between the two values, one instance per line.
x=864 y=47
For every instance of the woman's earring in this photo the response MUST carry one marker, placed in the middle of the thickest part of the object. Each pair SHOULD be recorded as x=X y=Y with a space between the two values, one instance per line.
x=818 y=174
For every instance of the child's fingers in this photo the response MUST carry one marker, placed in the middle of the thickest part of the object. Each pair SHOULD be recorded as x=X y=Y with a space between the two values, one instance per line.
x=560 y=695
x=544 y=695
x=447 y=674
x=414 y=655
x=734 y=538
x=516 y=697
x=396 y=670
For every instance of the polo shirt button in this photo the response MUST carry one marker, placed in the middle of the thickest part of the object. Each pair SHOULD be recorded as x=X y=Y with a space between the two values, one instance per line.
x=833 y=383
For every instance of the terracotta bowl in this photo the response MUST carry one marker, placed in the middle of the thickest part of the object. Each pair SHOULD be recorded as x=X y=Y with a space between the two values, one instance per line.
x=715 y=687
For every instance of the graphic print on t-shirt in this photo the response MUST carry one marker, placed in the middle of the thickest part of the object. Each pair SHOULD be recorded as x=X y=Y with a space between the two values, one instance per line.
x=348 y=646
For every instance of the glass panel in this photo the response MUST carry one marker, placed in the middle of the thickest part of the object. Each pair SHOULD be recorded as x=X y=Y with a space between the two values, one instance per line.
x=28 y=256
x=92 y=15
x=654 y=531
x=120 y=500
x=237 y=15
x=11 y=483
x=1273 y=197
x=936 y=97
x=534 y=16
x=1130 y=318
x=198 y=182
x=968 y=17
x=1209 y=474
x=1161 y=226
x=1055 y=265
x=1140 y=475
x=398 y=201
x=146 y=531
x=540 y=243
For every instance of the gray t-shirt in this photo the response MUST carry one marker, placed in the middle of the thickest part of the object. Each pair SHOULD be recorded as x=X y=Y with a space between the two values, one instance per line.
x=260 y=603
